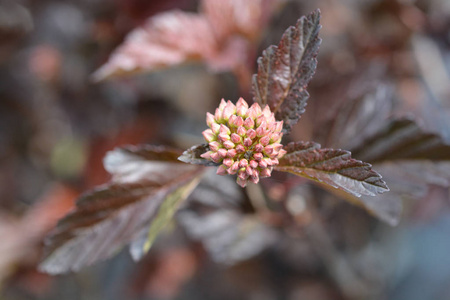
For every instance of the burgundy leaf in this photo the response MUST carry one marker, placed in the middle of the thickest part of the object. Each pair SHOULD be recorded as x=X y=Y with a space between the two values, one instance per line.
x=166 y=39
x=192 y=156
x=147 y=185
x=332 y=167
x=284 y=71
x=244 y=17
x=402 y=139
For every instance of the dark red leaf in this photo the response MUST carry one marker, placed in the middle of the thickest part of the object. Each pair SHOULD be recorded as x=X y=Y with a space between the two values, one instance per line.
x=284 y=71
x=147 y=185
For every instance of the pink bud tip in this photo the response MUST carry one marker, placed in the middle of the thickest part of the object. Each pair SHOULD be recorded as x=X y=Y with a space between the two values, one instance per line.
x=281 y=153
x=206 y=155
x=242 y=182
x=251 y=133
x=264 y=140
x=210 y=119
x=254 y=111
x=264 y=173
x=222 y=104
x=229 y=110
x=241 y=107
x=209 y=135
x=248 y=170
x=275 y=137
x=241 y=131
x=268 y=149
x=221 y=170
x=223 y=137
x=253 y=164
x=238 y=121
x=248 y=142
x=266 y=112
x=233 y=169
x=279 y=126
x=258 y=156
x=216 y=157
x=228 y=162
x=224 y=129
x=259 y=148
x=235 y=138
x=231 y=153
x=262 y=164
x=240 y=149
x=229 y=144
x=249 y=123
x=259 y=120
x=222 y=153
x=242 y=174
x=214 y=146
x=215 y=128
x=243 y=163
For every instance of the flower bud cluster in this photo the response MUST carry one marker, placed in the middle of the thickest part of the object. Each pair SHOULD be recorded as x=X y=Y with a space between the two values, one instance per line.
x=244 y=141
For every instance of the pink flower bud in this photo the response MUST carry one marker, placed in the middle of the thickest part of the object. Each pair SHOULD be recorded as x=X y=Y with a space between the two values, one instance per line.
x=238 y=121
x=232 y=120
x=222 y=152
x=264 y=173
x=241 y=131
x=248 y=142
x=223 y=137
x=266 y=112
x=268 y=149
x=209 y=135
x=229 y=144
x=243 y=163
x=234 y=168
x=258 y=156
x=206 y=155
x=254 y=178
x=249 y=123
x=228 y=162
x=229 y=110
x=279 y=126
x=275 y=161
x=241 y=182
x=241 y=107
x=218 y=115
x=248 y=170
x=254 y=111
x=231 y=153
x=214 y=146
x=215 y=128
x=264 y=140
x=251 y=133
x=216 y=157
x=261 y=131
x=253 y=164
x=240 y=149
x=210 y=119
x=221 y=170
x=222 y=104
x=224 y=129
x=259 y=120
x=235 y=138
x=275 y=137
x=259 y=148
x=281 y=153
x=262 y=164
x=242 y=174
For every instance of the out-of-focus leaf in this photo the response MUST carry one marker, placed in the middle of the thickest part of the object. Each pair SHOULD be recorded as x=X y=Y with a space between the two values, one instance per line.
x=402 y=139
x=284 y=71
x=214 y=217
x=166 y=39
x=332 y=167
x=192 y=156
x=244 y=17
x=110 y=216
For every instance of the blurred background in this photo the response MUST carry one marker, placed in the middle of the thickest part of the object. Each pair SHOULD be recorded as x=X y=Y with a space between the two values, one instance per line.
x=57 y=123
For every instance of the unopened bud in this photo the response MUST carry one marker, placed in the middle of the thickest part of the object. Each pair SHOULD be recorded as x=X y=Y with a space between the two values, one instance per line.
x=235 y=138
x=222 y=152
x=253 y=164
x=221 y=170
x=229 y=144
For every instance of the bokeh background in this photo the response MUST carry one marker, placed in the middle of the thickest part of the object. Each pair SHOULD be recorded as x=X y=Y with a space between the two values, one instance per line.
x=56 y=124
